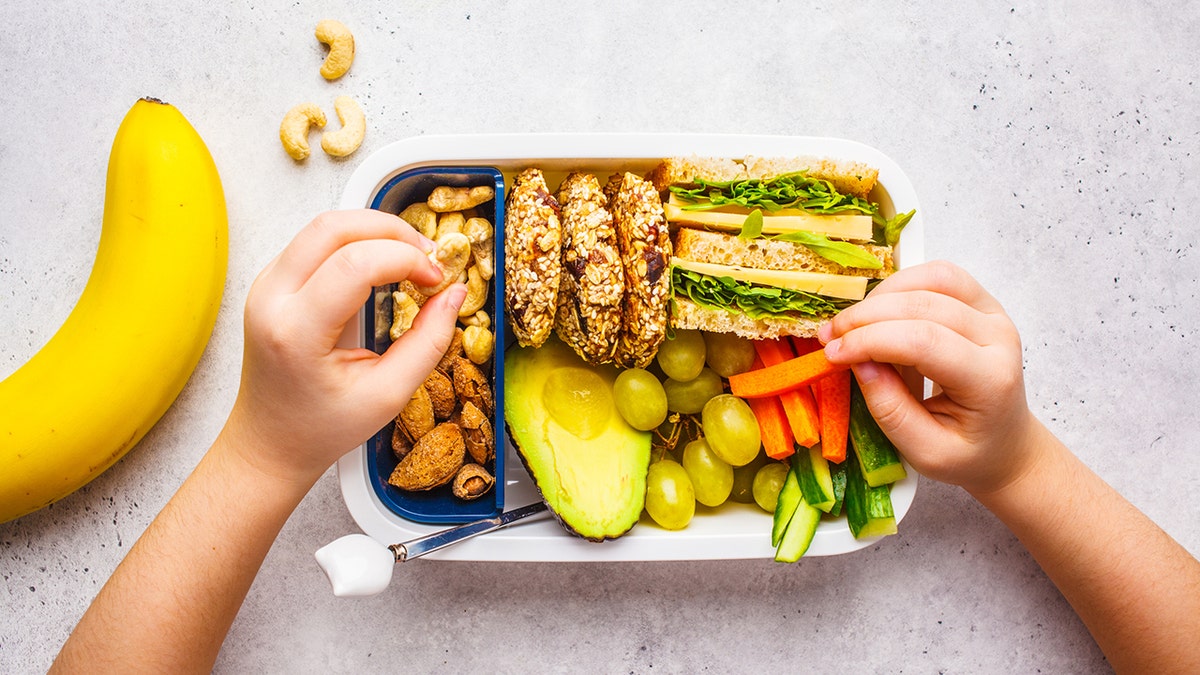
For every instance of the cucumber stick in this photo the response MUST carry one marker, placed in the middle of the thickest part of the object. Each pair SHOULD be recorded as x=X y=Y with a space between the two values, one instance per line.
x=868 y=509
x=789 y=498
x=799 y=534
x=837 y=474
x=877 y=457
x=812 y=472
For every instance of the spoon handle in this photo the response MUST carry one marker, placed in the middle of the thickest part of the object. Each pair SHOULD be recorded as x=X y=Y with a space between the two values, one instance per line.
x=416 y=548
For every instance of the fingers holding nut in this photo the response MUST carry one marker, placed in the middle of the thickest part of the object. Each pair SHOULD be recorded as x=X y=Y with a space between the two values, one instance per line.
x=346 y=140
x=450 y=255
x=340 y=41
x=293 y=130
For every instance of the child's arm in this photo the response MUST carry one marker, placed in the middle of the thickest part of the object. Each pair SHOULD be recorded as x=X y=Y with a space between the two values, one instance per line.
x=1136 y=589
x=302 y=404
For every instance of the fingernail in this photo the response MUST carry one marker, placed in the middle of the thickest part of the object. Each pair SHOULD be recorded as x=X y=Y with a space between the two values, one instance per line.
x=833 y=347
x=427 y=244
x=825 y=332
x=866 y=371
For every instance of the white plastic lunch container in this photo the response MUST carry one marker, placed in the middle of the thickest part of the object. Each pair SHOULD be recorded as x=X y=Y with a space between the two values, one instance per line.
x=730 y=531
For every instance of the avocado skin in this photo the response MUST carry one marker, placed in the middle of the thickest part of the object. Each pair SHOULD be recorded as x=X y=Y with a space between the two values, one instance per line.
x=595 y=487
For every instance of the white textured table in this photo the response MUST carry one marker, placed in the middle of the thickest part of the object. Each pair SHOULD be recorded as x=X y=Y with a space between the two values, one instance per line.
x=1057 y=156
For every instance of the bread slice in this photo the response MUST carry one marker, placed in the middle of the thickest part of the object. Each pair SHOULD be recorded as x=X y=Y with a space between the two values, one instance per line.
x=849 y=177
x=685 y=171
x=686 y=314
x=768 y=254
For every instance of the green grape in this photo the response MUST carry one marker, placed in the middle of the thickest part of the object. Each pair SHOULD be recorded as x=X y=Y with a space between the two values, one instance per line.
x=712 y=477
x=731 y=429
x=728 y=354
x=689 y=397
x=640 y=399
x=743 y=479
x=670 y=498
x=682 y=357
x=767 y=484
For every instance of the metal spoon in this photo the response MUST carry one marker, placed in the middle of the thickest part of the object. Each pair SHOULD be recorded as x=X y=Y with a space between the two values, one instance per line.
x=359 y=566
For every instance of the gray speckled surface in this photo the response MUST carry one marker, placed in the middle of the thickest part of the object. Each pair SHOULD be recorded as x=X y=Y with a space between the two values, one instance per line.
x=1056 y=154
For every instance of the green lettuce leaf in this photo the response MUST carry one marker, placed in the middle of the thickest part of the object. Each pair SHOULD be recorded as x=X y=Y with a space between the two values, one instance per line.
x=757 y=302
x=795 y=190
x=752 y=228
x=841 y=252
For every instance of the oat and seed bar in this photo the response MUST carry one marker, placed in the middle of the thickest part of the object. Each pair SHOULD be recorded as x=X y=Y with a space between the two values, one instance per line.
x=645 y=246
x=532 y=258
x=593 y=278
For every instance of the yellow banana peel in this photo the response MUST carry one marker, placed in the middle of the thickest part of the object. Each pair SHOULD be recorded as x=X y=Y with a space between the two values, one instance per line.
x=137 y=332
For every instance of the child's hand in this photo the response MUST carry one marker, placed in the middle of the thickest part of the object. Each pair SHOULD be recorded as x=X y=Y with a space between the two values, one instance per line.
x=936 y=318
x=304 y=401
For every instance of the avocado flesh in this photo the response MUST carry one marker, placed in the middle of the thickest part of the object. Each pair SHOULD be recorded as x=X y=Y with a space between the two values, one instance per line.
x=591 y=467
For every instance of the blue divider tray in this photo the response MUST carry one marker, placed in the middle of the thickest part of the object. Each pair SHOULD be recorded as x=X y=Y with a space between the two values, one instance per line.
x=439 y=506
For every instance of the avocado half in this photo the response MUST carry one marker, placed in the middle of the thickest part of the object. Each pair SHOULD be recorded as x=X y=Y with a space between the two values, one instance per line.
x=588 y=464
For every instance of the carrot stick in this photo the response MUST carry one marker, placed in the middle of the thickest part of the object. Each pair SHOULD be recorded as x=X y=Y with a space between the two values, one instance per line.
x=777 y=438
x=788 y=375
x=805 y=345
x=798 y=404
x=833 y=402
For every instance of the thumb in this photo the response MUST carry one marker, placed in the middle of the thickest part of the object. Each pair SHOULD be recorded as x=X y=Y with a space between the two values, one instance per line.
x=409 y=360
x=900 y=415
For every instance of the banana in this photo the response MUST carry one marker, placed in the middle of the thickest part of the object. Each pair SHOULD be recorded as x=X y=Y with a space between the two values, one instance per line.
x=131 y=342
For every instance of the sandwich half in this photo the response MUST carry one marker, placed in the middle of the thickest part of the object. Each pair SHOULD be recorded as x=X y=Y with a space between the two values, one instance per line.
x=770 y=247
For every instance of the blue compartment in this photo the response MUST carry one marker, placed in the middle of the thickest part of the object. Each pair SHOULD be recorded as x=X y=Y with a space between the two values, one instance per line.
x=439 y=506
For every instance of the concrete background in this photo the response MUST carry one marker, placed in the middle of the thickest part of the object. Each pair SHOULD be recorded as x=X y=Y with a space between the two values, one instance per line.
x=1056 y=154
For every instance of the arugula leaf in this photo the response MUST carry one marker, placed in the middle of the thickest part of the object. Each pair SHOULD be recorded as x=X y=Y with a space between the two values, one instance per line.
x=893 y=227
x=752 y=228
x=841 y=252
x=757 y=302
x=795 y=190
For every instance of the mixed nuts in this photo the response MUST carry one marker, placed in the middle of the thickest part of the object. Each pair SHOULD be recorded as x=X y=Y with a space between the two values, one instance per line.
x=444 y=436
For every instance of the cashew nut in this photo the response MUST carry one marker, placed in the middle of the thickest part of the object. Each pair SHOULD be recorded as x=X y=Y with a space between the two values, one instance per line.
x=450 y=255
x=422 y=219
x=404 y=311
x=293 y=130
x=449 y=222
x=411 y=288
x=481 y=234
x=478 y=344
x=480 y=318
x=477 y=292
x=341 y=48
x=445 y=198
x=354 y=127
